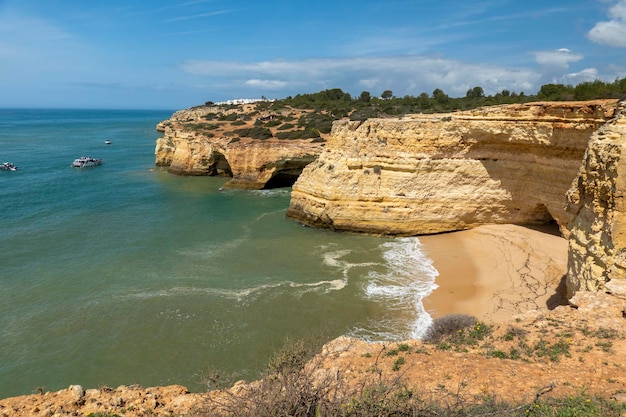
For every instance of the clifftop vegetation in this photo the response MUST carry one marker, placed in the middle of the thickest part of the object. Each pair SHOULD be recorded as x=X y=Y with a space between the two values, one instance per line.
x=310 y=116
x=341 y=104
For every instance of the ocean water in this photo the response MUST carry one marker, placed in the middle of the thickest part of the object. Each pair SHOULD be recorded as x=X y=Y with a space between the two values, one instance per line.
x=123 y=273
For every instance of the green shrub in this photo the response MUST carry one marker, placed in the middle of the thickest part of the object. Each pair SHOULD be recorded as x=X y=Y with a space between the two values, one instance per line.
x=403 y=347
x=228 y=117
x=286 y=126
x=273 y=123
x=553 y=351
x=398 y=363
x=256 y=132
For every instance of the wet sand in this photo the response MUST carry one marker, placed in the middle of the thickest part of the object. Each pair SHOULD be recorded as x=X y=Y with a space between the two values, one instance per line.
x=496 y=272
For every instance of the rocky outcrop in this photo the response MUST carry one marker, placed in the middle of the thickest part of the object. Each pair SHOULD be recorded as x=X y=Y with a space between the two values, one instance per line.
x=597 y=238
x=195 y=144
x=424 y=174
x=129 y=401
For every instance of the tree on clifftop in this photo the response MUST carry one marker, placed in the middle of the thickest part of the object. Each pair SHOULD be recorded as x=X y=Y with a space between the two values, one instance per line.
x=476 y=92
x=440 y=96
x=387 y=94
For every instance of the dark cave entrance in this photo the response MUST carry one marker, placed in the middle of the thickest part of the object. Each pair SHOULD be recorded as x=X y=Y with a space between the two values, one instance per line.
x=280 y=180
x=220 y=166
x=542 y=220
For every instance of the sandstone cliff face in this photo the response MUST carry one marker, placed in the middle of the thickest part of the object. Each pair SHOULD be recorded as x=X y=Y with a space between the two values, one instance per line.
x=597 y=239
x=424 y=174
x=187 y=148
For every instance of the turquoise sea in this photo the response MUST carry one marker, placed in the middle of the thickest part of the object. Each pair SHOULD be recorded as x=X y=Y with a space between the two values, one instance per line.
x=123 y=273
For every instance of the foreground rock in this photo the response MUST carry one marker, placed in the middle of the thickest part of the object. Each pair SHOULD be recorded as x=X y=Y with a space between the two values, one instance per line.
x=567 y=351
x=597 y=241
x=131 y=401
x=423 y=174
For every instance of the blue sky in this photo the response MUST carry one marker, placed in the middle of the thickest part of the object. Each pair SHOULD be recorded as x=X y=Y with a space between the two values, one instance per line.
x=174 y=54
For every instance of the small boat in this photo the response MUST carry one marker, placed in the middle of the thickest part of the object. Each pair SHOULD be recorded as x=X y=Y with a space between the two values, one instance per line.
x=107 y=142
x=8 y=166
x=86 y=161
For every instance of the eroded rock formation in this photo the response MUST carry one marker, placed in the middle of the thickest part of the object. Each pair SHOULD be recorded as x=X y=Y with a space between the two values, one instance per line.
x=423 y=174
x=195 y=145
x=597 y=239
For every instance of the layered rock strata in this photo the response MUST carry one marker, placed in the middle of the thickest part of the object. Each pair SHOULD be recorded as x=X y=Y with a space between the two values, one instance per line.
x=597 y=238
x=423 y=174
x=188 y=148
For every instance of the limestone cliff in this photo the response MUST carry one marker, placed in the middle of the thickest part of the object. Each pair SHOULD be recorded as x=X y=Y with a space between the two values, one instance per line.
x=423 y=174
x=202 y=141
x=597 y=240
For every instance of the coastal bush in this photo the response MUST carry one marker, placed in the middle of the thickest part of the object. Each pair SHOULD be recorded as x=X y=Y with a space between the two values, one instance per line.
x=553 y=351
x=273 y=123
x=256 y=132
x=443 y=328
x=298 y=134
x=286 y=126
x=321 y=121
x=228 y=117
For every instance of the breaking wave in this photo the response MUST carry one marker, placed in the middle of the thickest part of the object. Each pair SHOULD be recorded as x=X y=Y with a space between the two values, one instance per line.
x=408 y=277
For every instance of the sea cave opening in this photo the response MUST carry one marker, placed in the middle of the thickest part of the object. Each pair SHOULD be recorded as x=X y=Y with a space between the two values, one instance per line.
x=221 y=166
x=542 y=219
x=280 y=180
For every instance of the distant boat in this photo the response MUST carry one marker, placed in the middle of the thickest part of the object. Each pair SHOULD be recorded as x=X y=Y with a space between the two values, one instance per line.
x=86 y=161
x=8 y=166
x=107 y=142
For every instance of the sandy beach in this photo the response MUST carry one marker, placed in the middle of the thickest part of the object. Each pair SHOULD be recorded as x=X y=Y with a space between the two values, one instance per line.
x=496 y=272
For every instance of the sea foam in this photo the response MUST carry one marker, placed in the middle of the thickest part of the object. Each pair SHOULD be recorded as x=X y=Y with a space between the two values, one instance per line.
x=407 y=278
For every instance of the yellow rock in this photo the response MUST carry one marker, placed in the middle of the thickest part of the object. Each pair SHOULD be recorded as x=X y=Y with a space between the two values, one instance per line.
x=423 y=174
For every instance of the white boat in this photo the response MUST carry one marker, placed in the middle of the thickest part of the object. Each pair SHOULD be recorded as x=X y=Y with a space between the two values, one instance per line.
x=107 y=142
x=8 y=166
x=86 y=161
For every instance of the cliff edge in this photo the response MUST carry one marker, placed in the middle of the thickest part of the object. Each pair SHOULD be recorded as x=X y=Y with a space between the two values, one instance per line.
x=424 y=174
x=241 y=142
x=597 y=233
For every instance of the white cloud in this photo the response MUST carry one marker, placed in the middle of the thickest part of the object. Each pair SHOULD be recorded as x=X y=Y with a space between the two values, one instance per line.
x=267 y=84
x=612 y=32
x=588 y=74
x=558 y=59
x=403 y=75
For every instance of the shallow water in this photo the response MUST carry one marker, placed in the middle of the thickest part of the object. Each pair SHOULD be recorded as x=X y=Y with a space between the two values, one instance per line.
x=123 y=273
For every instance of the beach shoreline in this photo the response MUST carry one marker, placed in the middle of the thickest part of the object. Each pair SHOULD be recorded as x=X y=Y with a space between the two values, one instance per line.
x=496 y=272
